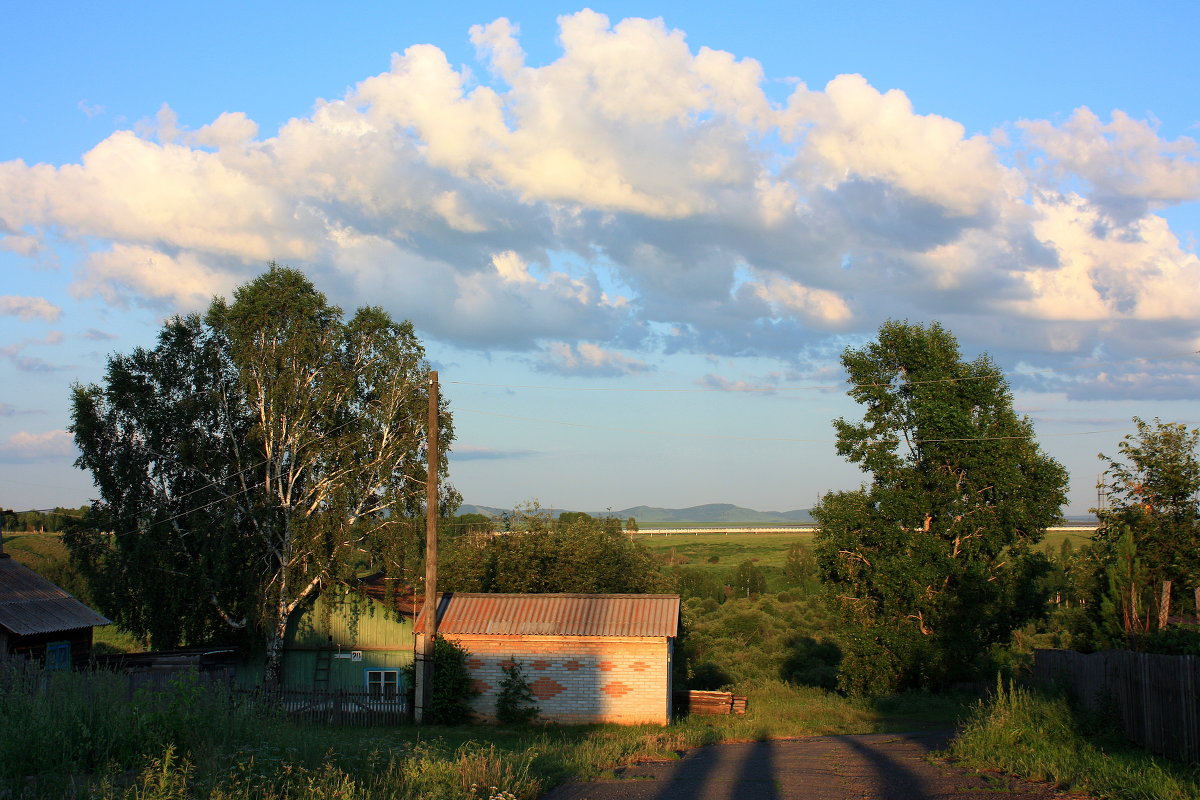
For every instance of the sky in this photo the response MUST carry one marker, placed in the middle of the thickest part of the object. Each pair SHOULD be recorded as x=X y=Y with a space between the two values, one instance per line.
x=634 y=238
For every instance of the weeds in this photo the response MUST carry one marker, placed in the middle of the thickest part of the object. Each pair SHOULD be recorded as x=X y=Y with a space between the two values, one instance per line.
x=1041 y=737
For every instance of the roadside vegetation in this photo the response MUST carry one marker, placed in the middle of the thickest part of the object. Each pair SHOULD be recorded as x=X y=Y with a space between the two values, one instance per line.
x=1042 y=737
x=185 y=741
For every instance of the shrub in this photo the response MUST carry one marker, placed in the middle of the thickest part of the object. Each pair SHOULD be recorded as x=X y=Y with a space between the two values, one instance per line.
x=515 y=704
x=453 y=687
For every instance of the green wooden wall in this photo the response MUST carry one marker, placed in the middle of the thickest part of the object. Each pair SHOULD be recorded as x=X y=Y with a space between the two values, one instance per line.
x=340 y=623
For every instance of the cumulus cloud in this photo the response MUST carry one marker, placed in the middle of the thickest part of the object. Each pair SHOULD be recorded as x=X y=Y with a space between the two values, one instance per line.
x=587 y=359
x=29 y=308
x=23 y=447
x=1129 y=167
x=637 y=194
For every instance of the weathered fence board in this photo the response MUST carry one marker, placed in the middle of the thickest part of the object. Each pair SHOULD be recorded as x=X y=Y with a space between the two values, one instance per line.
x=1154 y=695
x=333 y=707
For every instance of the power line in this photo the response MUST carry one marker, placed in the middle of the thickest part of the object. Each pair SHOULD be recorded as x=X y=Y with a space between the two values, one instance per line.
x=769 y=389
x=735 y=437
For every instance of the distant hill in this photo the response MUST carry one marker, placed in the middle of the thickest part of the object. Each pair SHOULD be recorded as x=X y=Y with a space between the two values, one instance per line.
x=720 y=513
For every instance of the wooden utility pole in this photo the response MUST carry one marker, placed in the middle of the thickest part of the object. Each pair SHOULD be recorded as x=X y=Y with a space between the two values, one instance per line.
x=424 y=671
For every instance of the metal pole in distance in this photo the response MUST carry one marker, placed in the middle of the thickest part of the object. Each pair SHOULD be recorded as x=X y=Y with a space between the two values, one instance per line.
x=425 y=668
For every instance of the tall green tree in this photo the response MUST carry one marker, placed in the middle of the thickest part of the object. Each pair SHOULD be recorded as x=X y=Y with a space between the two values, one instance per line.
x=251 y=458
x=931 y=562
x=1153 y=496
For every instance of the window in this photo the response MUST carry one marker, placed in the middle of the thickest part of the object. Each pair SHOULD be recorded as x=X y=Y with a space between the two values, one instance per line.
x=383 y=684
x=58 y=655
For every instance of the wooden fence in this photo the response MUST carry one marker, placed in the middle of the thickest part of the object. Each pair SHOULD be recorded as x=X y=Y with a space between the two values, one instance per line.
x=1154 y=695
x=332 y=707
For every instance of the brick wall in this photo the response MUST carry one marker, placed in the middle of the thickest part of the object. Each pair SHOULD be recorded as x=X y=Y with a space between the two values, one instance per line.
x=576 y=679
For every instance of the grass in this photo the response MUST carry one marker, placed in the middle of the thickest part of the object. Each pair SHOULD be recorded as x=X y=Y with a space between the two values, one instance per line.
x=765 y=549
x=1041 y=737
x=77 y=734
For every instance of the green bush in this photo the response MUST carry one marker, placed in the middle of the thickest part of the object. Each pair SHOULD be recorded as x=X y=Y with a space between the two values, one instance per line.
x=453 y=687
x=1173 y=640
x=515 y=704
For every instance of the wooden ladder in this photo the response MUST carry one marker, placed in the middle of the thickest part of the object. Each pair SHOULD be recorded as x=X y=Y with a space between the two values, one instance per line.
x=322 y=668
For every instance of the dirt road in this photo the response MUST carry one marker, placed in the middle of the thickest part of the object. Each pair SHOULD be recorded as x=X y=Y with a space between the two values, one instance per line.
x=874 y=766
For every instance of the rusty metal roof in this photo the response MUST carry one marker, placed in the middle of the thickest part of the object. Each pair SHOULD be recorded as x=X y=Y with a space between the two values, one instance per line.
x=31 y=604
x=634 y=615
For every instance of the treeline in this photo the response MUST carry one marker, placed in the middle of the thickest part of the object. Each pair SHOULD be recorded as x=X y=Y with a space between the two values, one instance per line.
x=54 y=521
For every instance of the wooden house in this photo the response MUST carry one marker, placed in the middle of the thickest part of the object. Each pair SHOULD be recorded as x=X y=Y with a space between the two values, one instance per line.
x=354 y=638
x=587 y=657
x=40 y=621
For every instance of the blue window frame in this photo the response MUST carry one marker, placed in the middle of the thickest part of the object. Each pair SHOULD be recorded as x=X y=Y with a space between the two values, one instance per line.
x=382 y=684
x=58 y=656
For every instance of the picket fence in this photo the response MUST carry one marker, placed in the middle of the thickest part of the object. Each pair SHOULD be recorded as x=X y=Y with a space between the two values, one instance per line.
x=1154 y=695
x=331 y=707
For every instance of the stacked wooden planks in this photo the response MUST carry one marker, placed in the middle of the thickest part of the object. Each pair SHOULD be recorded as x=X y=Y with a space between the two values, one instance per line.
x=698 y=702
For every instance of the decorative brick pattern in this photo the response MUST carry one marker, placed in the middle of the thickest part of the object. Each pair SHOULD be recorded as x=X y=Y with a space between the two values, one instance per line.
x=474 y=663
x=577 y=680
x=507 y=663
x=481 y=686
x=545 y=688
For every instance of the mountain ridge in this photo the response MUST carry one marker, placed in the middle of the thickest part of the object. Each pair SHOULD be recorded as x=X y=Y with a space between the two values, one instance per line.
x=707 y=513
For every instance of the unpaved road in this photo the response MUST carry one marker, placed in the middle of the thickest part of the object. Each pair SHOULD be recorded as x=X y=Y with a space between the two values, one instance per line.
x=871 y=766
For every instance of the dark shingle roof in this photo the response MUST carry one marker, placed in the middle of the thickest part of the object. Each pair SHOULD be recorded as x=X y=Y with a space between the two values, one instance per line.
x=31 y=604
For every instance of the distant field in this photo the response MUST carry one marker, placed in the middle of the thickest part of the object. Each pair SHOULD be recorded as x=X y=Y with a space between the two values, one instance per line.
x=35 y=550
x=765 y=549
x=768 y=549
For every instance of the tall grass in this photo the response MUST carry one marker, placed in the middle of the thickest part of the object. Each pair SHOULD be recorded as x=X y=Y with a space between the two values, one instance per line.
x=86 y=723
x=82 y=735
x=1041 y=737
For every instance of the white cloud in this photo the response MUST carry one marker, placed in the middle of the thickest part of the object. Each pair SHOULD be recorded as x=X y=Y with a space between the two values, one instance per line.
x=23 y=446
x=588 y=359
x=767 y=384
x=636 y=184
x=14 y=353
x=1130 y=168
x=29 y=308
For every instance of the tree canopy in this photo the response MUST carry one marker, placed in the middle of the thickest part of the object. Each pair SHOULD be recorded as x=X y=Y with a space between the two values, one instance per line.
x=930 y=562
x=577 y=553
x=1151 y=518
x=251 y=457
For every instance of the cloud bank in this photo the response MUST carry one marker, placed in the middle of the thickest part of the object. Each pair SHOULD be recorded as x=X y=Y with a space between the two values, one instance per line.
x=639 y=195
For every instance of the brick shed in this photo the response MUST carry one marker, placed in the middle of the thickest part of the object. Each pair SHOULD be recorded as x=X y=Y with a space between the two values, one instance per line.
x=587 y=657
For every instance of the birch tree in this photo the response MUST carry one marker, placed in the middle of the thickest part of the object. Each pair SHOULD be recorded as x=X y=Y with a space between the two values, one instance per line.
x=314 y=454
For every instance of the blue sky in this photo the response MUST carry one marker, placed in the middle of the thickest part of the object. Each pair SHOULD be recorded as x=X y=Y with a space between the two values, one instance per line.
x=633 y=237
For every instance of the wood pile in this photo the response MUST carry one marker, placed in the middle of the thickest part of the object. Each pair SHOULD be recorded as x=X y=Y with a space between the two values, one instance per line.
x=719 y=703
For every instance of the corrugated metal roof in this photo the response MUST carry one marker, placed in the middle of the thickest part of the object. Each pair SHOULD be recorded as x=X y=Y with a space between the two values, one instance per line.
x=31 y=604
x=635 y=615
